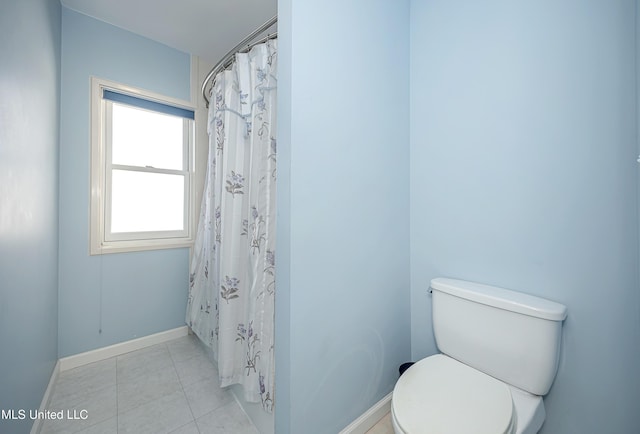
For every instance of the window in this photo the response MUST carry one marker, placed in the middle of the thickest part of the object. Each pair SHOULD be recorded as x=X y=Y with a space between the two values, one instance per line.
x=141 y=170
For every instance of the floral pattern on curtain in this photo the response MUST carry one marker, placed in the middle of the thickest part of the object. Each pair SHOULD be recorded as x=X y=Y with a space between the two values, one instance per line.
x=232 y=276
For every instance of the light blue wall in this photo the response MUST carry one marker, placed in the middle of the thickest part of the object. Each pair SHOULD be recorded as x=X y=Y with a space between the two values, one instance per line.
x=342 y=315
x=283 y=354
x=523 y=175
x=29 y=100
x=132 y=294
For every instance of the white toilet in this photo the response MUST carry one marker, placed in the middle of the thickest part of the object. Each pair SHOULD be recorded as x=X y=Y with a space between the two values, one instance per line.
x=500 y=351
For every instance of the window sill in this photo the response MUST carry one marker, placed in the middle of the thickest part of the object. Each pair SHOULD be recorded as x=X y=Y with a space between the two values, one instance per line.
x=138 y=246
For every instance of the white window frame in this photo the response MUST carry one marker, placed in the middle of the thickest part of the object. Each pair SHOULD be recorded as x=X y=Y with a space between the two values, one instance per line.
x=101 y=241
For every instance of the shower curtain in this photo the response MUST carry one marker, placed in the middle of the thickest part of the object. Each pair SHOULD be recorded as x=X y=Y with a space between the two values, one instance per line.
x=232 y=275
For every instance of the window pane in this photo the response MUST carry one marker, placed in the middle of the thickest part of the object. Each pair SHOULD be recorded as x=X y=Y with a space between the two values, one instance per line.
x=144 y=202
x=145 y=138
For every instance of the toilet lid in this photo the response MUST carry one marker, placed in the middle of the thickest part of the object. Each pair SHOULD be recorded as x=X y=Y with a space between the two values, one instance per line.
x=440 y=395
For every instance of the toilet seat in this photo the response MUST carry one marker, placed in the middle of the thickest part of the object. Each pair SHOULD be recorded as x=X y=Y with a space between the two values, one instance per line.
x=439 y=395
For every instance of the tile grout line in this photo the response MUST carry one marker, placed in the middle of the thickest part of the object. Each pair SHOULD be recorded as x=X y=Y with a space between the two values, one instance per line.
x=149 y=401
x=145 y=402
x=116 y=363
x=75 y=429
x=173 y=363
x=213 y=410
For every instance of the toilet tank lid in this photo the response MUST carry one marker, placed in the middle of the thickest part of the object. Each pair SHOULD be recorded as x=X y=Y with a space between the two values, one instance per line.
x=501 y=298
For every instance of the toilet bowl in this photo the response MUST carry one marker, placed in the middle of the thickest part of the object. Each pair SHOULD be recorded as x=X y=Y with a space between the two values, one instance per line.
x=441 y=395
x=499 y=356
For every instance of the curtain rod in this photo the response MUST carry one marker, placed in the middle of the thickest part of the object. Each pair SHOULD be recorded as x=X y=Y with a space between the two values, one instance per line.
x=240 y=48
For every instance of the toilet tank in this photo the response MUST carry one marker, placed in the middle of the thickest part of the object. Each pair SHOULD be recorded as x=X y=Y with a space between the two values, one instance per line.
x=509 y=335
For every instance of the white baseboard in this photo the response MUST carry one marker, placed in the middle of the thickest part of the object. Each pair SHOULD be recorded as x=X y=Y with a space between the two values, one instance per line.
x=370 y=417
x=37 y=423
x=104 y=353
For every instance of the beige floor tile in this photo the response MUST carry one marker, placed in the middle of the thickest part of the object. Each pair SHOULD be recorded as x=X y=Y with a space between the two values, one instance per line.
x=147 y=387
x=190 y=428
x=132 y=365
x=92 y=408
x=383 y=426
x=226 y=420
x=206 y=396
x=160 y=416
x=195 y=369
x=185 y=348
x=166 y=388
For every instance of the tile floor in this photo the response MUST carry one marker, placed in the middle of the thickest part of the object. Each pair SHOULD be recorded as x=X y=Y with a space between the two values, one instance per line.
x=383 y=426
x=167 y=388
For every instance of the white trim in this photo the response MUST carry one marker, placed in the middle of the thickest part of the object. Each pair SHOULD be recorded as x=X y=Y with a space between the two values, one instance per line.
x=104 y=353
x=37 y=423
x=101 y=240
x=370 y=417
